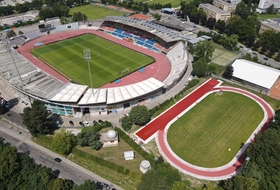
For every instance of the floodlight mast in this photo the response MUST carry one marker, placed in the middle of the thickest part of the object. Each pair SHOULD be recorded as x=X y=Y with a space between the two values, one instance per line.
x=9 y=48
x=87 y=57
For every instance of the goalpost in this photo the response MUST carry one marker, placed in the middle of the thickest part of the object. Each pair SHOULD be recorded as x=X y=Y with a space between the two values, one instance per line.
x=124 y=71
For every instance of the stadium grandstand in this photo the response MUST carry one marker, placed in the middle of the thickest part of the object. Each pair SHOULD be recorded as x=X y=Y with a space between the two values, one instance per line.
x=35 y=80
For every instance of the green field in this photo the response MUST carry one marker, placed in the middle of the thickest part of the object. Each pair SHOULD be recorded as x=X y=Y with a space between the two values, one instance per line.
x=267 y=16
x=174 y=3
x=204 y=134
x=108 y=59
x=94 y=12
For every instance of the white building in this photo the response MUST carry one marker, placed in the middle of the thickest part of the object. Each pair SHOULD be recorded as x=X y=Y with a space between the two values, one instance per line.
x=255 y=74
x=264 y=4
x=145 y=166
x=109 y=139
x=129 y=155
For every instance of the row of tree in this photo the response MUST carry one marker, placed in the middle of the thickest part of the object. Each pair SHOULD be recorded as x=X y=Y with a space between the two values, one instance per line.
x=19 y=171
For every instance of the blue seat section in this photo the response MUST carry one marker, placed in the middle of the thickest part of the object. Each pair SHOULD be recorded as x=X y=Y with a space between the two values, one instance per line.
x=121 y=36
x=140 y=43
x=150 y=42
x=138 y=38
x=118 y=31
x=148 y=46
x=142 y=70
x=115 y=34
x=155 y=49
x=117 y=81
x=128 y=35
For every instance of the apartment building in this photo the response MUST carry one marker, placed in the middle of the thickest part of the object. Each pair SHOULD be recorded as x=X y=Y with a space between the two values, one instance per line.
x=270 y=24
x=225 y=6
x=214 y=12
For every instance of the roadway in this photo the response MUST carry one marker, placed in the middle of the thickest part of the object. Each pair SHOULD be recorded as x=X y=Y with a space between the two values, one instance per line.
x=65 y=169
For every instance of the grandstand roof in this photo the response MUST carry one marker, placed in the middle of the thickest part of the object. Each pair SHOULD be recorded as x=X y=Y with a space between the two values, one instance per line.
x=120 y=94
x=162 y=32
x=68 y=93
x=93 y=96
x=32 y=80
x=255 y=73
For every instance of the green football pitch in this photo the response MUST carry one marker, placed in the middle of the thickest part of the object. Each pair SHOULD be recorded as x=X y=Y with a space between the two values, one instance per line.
x=94 y=12
x=212 y=132
x=109 y=61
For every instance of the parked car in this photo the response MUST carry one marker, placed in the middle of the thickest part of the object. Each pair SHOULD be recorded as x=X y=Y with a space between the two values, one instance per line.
x=58 y=123
x=57 y=160
x=106 y=185
x=71 y=123
x=86 y=123
x=265 y=58
x=100 y=121
x=82 y=124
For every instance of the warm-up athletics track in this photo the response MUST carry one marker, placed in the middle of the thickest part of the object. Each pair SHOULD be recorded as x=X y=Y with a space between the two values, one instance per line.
x=158 y=128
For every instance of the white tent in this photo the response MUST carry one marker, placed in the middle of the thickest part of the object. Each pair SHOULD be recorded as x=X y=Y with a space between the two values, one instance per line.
x=255 y=73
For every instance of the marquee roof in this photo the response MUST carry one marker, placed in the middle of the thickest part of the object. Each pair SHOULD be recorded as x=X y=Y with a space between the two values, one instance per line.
x=119 y=94
x=93 y=96
x=255 y=73
x=69 y=93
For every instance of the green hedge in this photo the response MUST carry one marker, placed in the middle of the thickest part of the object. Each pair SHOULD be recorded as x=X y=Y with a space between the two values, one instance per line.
x=136 y=147
x=105 y=163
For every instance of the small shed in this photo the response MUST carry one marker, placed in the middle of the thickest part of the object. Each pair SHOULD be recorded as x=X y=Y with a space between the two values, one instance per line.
x=128 y=155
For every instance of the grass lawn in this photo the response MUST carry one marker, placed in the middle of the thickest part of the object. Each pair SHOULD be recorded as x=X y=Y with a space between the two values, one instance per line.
x=174 y=3
x=267 y=16
x=94 y=12
x=204 y=134
x=108 y=59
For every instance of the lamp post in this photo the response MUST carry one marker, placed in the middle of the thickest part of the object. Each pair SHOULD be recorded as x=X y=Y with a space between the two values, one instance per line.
x=87 y=57
x=9 y=48
x=246 y=162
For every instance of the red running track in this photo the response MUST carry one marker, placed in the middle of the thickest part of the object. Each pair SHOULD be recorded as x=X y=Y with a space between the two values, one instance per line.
x=161 y=121
x=159 y=124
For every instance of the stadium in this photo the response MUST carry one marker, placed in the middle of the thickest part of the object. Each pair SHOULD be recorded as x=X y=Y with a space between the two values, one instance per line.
x=31 y=73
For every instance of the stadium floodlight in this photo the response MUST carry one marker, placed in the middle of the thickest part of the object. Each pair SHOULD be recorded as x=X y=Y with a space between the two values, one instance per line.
x=87 y=57
x=9 y=49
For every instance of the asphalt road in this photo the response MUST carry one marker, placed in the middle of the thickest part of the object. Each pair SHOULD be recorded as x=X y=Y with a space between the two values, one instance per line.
x=63 y=170
x=261 y=57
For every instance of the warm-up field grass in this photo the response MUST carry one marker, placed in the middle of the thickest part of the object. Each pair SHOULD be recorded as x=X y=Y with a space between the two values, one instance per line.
x=94 y=12
x=204 y=134
x=108 y=59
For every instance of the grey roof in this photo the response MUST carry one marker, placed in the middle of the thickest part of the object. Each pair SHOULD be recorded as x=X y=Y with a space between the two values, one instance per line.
x=34 y=81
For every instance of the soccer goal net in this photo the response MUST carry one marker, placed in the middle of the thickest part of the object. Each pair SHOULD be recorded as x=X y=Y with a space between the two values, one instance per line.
x=124 y=71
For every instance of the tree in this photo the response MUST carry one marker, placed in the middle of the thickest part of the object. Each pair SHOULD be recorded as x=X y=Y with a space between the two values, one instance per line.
x=181 y=185
x=36 y=118
x=59 y=184
x=270 y=9
x=200 y=67
x=231 y=42
x=152 y=180
x=204 y=49
x=126 y=123
x=11 y=33
x=64 y=142
x=221 y=26
x=78 y=17
x=20 y=32
x=89 y=138
x=157 y=17
x=9 y=161
x=228 y=72
x=46 y=13
x=242 y=10
x=87 y=185
x=140 y=115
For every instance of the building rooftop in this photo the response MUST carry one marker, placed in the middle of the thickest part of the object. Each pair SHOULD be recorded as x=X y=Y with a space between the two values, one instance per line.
x=224 y=2
x=272 y=23
x=214 y=9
